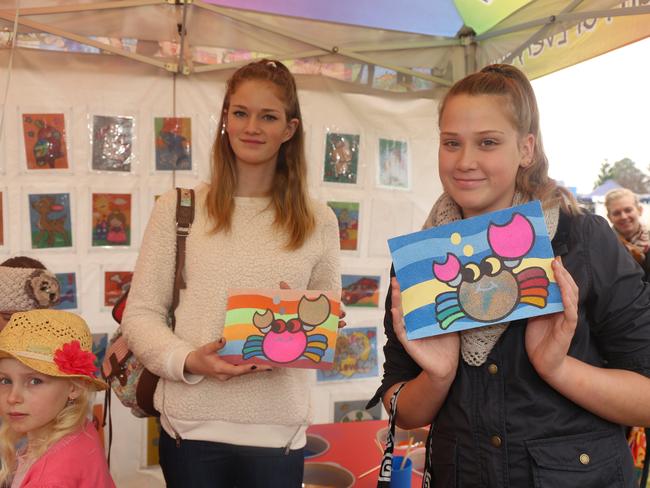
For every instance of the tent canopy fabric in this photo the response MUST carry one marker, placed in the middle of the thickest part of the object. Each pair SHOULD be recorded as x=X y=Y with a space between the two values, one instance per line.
x=437 y=42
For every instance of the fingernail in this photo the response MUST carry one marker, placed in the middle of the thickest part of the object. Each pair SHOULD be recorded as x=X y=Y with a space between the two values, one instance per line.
x=253 y=367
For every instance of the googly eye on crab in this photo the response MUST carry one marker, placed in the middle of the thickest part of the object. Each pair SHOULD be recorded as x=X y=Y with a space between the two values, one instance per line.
x=470 y=273
x=511 y=241
x=448 y=271
x=490 y=266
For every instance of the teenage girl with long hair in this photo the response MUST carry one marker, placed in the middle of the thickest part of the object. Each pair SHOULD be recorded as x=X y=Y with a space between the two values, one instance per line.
x=255 y=226
x=537 y=402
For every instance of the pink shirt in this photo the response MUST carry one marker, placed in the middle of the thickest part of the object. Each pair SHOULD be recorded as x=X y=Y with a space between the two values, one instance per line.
x=76 y=461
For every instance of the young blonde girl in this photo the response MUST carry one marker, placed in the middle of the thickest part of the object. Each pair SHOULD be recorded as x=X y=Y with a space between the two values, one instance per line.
x=47 y=382
x=537 y=402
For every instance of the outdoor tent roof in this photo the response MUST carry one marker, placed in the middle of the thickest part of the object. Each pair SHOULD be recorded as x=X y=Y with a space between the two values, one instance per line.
x=435 y=41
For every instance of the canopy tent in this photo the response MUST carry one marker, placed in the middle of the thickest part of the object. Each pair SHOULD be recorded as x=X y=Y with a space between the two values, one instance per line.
x=433 y=43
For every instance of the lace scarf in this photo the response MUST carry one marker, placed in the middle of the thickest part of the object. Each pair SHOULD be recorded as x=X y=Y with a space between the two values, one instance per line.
x=476 y=344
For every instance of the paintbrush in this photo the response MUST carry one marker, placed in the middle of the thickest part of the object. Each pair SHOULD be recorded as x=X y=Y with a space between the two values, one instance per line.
x=408 y=451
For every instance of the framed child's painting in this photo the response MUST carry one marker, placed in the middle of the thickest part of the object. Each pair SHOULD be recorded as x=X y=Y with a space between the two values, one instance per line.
x=480 y=271
x=393 y=169
x=347 y=214
x=69 y=296
x=45 y=141
x=50 y=220
x=356 y=355
x=111 y=219
x=173 y=143
x=282 y=328
x=112 y=142
x=360 y=290
x=355 y=410
x=100 y=343
x=115 y=284
x=341 y=163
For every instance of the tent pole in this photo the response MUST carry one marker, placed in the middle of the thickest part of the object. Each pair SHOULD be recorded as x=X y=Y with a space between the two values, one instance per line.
x=567 y=17
x=540 y=33
x=64 y=9
x=89 y=42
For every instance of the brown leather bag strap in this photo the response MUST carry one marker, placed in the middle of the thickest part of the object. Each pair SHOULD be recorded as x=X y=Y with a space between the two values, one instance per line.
x=184 y=219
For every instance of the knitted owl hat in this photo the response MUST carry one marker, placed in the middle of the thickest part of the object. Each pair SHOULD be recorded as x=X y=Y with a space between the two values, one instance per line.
x=26 y=288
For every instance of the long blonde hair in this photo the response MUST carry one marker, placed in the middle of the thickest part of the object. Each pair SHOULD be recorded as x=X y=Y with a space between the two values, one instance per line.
x=506 y=81
x=289 y=190
x=70 y=419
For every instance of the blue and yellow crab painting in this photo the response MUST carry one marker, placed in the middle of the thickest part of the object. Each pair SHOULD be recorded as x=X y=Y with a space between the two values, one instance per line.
x=480 y=271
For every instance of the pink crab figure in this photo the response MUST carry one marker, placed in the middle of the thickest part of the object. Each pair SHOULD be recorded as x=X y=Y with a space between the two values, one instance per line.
x=283 y=342
x=491 y=290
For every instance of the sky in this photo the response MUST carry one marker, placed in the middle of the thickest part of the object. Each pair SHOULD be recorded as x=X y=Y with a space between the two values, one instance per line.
x=595 y=111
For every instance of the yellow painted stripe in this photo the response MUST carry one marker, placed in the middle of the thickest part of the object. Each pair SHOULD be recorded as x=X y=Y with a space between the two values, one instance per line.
x=425 y=293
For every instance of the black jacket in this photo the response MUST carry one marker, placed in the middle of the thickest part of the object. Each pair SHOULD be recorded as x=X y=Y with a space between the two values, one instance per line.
x=501 y=424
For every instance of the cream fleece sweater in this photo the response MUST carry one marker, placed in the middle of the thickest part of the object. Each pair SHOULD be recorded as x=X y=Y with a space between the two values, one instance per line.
x=265 y=409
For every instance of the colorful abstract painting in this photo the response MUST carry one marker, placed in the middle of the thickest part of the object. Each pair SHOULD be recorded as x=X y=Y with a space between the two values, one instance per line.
x=341 y=162
x=50 y=221
x=115 y=284
x=173 y=142
x=347 y=214
x=475 y=272
x=153 y=440
x=45 y=141
x=111 y=219
x=393 y=170
x=356 y=355
x=360 y=290
x=100 y=342
x=68 y=284
x=281 y=328
x=112 y=143
x=355 y=411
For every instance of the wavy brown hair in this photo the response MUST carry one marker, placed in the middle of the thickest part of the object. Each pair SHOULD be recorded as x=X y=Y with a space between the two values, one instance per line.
x=504 y=80
x=289 y=197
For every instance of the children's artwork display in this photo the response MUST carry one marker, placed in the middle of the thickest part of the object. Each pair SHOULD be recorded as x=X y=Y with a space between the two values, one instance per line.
x=153 y=440
x=69 y=298
x=355 y=411
x=115 y=284
x=100 y=342
x=393 y=170
x=112 y=143
x=356 y=355
x=347 y=214
x=45 y=141
x=173 y=143
x=360 y=290
x=281 y=328
x=50 y=220
x=111 y=219
x=341 y=163
x=480 y=271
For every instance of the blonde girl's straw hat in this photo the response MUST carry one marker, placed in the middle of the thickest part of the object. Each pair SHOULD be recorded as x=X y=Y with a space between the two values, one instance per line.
x=52 y=342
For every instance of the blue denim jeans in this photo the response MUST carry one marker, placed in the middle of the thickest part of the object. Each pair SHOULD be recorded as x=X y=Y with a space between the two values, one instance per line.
x=202 y=464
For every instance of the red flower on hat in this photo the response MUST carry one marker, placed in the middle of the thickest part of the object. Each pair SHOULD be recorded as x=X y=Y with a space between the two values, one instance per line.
x=71 y=359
